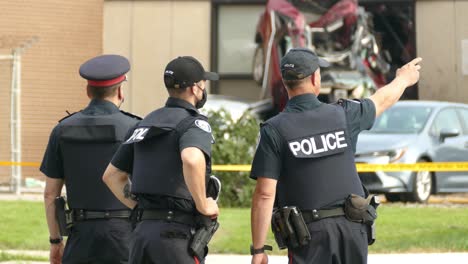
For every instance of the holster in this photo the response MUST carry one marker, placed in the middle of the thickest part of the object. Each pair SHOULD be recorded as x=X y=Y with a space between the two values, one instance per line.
x=199 y=244
x=363 y=210
x=289 y=227
x=63 y=216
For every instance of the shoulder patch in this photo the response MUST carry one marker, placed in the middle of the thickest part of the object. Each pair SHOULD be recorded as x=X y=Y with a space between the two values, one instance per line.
x=203 y=125
x=131 y=115
x=69 y=115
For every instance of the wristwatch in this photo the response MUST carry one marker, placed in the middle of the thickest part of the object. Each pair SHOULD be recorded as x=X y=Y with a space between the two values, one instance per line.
x=56 y=240
x=254 y=251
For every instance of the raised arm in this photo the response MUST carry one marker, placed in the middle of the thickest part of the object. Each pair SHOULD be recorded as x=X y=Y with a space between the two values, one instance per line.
x=388 y=95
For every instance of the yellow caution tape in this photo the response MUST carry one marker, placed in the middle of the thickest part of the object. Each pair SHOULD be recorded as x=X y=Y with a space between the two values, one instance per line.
x=231 y=167
x=22 y=164
x=361 y=167
x=423 y=166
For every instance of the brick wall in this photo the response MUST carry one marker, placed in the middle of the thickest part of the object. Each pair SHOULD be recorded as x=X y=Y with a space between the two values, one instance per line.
x=69 y=32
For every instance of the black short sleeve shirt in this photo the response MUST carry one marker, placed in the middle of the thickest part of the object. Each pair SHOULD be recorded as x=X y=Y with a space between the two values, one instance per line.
x=360 y=115
x=198 y=135
x=52 y=164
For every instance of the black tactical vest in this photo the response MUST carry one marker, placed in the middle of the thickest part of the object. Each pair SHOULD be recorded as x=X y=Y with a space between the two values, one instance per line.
x=157 y=165
x=318 y=168
x=87 y=144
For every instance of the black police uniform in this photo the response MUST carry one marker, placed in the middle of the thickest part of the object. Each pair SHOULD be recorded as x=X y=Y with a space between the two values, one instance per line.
x=79 y=150
x=309 y=149
x=151 y=155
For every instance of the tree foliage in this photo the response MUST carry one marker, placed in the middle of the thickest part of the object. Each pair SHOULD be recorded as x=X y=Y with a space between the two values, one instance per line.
x=235 y=144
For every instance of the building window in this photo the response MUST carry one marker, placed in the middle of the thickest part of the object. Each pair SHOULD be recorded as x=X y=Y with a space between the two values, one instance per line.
x=236 y=38
x=233 y=45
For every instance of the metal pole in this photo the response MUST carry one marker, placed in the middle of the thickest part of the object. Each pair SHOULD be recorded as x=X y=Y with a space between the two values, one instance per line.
x=268 y=57
x=16 y=121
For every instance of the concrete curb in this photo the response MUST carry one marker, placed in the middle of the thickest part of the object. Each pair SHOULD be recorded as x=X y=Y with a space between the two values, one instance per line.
x=410 y=258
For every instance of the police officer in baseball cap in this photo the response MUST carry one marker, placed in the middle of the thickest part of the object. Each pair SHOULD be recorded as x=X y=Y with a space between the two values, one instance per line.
x=79 y=149
x=169 y=157
x=305 y=171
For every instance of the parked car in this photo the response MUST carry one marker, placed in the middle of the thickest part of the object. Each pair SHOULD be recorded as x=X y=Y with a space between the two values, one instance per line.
x=411 y=132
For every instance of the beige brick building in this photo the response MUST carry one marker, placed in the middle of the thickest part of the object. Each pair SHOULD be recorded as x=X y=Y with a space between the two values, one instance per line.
x=68 y=32
x=151 y=32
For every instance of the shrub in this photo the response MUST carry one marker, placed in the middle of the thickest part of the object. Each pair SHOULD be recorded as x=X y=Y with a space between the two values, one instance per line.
x=235 y=144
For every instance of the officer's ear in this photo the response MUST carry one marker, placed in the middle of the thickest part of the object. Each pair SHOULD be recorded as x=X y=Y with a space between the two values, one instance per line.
x=88 y=92
x=194 y=88
x=312 y=78
x=120 y=94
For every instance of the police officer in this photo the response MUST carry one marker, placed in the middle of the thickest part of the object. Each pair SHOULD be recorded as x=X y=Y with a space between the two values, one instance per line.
x=169 y=157
x=79 y=149
x=305 y=158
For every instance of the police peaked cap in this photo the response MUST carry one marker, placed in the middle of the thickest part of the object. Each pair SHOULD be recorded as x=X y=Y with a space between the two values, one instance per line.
x=105 y=70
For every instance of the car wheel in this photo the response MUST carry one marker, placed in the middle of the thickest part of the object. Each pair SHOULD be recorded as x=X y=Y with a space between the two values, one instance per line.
x=422 y=186
x=393 y=197
x=258 y=66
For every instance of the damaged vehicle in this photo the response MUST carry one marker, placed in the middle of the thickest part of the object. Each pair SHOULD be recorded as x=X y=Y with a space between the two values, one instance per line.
x=340 y=31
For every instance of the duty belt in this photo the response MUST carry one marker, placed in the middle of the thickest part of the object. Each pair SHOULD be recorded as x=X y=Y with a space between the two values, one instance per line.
x=315 y=215
x=166 y=215
x=83 y=215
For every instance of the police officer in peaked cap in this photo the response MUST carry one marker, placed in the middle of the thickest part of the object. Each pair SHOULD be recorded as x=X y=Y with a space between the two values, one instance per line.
x=305 y=171
x=80 y=147
x=168 y=156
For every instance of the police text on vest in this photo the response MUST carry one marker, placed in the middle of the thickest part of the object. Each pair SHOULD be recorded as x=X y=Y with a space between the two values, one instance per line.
x=319 y=145
x=138 y=135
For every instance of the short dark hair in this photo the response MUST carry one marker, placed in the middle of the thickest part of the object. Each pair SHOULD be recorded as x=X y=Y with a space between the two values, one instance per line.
x=291 y=84
x=176 y=92
x=103 y=92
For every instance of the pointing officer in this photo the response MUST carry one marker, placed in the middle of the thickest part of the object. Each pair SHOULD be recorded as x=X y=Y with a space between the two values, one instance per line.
x=79 y=149
x=304 y=167
x=169 y=157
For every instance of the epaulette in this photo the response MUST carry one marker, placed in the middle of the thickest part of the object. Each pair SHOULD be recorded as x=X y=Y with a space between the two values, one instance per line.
x=343 y=102
x=69 y=115
x=131 y=115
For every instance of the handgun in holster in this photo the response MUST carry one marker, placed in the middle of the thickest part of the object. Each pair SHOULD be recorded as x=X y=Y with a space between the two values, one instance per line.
x=289 y=227
x=63 y=216
x=371 y=235
x=203 y=234
x=206 y=227
x=363 y=210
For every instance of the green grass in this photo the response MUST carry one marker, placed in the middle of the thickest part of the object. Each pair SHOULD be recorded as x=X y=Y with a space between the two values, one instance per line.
x=9 y=257
x=23 y=226
x=400 y=229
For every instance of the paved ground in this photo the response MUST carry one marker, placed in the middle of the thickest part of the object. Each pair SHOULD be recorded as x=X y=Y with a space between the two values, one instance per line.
x=452 y=258
x=433 y=258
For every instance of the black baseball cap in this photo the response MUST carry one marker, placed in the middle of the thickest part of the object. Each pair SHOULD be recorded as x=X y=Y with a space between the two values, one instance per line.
x=184 y=71
x=299 y=63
